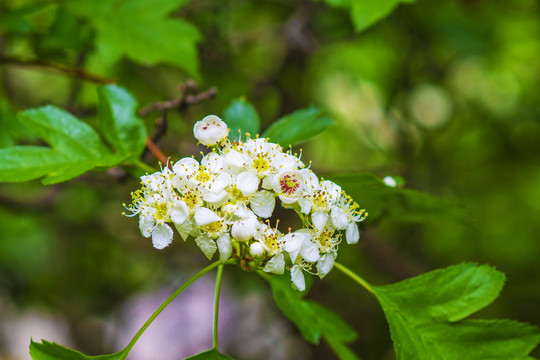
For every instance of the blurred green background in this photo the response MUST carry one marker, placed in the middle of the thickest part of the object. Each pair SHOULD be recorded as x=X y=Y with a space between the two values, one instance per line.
x=443 y=94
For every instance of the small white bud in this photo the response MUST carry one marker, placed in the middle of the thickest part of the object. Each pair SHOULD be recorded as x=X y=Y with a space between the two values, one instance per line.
x=244 y=229
x=210 y=130
x=390 y=181
x=256 y=250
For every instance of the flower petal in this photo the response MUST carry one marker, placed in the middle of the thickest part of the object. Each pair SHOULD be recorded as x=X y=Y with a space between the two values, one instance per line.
x=204 y=216
x=185 y=167
x=179 y=213
x=352 y=234
x=146 y=224
x=292 y=244
x=339 y=218
x=162 y=236
x=210 y=130
x=297 y=278
x=263 y=204
x=207 y=245
x=275 y=265
x=224 y=245
x=319 y=220
x=309 y=251
x=256 y=250
x=247 y=182
x=325 y=264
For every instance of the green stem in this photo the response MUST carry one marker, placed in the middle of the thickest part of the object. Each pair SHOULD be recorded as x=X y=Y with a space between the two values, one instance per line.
x=354 y=276
x=216 y=304
x=165 y=303
x=144 y=167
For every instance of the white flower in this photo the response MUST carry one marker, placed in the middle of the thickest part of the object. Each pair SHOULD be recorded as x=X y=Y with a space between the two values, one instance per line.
x=222 y=202
x=244 y=229
x=162 y=236
x=297 y=278
x=256 y=250
x=294 y=242
x=309 y=250
x=270 y=238
x=247 y=182
x=185 y=167
x=339 y=218
x=289 y=185
x=210 y=130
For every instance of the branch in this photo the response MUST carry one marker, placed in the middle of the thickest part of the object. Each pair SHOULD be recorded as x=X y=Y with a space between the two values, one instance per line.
x=178 y=102
x=70 y=70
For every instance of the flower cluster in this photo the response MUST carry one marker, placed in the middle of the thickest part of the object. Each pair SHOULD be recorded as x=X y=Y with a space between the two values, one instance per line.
x=225 y=203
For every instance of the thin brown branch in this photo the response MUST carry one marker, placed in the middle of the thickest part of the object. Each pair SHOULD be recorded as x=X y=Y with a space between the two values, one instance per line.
x=178 y=102
x=156 y=151
x=70 y=70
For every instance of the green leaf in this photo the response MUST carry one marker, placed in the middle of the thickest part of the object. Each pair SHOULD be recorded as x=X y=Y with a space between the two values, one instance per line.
x=397 y=204
x=119 y=121
x=52 y=351
x=297 y=310
x=422 y=311
x=210 y=355
x=336 y=332
x=142 y=31
x=23 y=163
x=365 y=13
x=75 y=149
x=368 y=12
x=460 y=291
x=297 y=127
x=311 y=318
x=241 y=116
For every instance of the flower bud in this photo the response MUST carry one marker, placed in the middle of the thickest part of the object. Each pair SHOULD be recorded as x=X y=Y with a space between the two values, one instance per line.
x=210 y=130
x=256 y=250
x=244 y=229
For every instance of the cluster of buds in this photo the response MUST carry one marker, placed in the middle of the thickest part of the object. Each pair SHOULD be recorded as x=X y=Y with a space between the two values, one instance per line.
x=225 y=203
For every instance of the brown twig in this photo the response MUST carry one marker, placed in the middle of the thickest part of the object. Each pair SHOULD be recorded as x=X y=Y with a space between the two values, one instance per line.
x=156 y=151
x=75 y=71
x=178 y=102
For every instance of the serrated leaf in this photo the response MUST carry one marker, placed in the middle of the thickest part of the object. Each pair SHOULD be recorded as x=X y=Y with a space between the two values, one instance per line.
x=142 y=31
x=75 y=149
x=297 y=127
x=448 y=294
x=64 y=132
x=312 y=319
x=119 y=121
x=51 y=351
x=210 y=355
x=421 y=312
x=241 y=116
x=397 y=204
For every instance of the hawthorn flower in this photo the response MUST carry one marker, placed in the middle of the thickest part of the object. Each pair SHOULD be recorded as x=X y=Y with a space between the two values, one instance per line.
x=225 y=201
x=210 y=130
